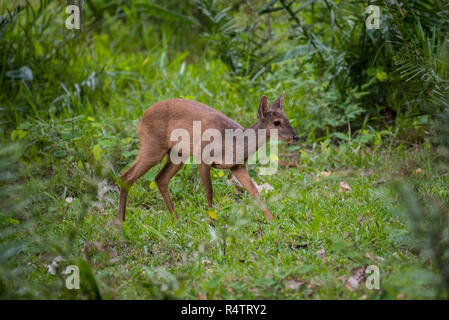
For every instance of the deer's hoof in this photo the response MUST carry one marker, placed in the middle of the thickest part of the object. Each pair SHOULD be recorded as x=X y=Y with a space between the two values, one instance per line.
x=175 y=217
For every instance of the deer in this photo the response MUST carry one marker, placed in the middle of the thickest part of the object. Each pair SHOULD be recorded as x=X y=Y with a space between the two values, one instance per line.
x=154 y=132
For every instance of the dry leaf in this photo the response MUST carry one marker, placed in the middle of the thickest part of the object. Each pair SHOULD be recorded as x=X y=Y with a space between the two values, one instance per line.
x=322 y=173
x=343 y=187
x=368 y=173
x=212 y=214
x=293 y=284
x=288 y=164
x=52 y=267
x=314 y=283
x=375 y=258
x=358 y=274
x=321 y=253
x=419 y=170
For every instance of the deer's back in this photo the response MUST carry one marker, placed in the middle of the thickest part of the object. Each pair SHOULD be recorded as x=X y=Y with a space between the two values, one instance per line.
x=165 y=116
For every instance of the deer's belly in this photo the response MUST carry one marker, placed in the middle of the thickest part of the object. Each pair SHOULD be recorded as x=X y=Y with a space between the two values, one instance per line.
x=222 y=166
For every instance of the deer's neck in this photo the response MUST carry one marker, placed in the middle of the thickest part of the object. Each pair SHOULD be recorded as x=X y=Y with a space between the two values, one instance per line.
x=261 y=137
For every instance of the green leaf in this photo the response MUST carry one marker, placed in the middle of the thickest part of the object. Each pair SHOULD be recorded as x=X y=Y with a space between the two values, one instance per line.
x=97 y=151
x=382 y=76
x=130 y=153
x=18 y=134
x=212 y=214
x=60 y=154
x=164 y=13
x=341 y=136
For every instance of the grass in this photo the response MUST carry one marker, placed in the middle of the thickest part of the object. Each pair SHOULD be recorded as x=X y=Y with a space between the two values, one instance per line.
x=77 y=135
x=319 y=236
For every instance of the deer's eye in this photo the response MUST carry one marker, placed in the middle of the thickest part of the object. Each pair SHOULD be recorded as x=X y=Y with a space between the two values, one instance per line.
x=277 y=123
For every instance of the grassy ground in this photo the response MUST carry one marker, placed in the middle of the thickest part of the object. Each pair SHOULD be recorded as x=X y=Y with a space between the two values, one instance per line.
x=320 y=235
x=75 y=122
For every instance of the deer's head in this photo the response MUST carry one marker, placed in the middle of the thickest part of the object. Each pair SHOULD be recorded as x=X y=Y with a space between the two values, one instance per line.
x=275 y=118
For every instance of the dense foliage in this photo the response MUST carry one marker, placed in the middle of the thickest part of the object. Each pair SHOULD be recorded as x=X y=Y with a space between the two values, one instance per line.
x=368 y=105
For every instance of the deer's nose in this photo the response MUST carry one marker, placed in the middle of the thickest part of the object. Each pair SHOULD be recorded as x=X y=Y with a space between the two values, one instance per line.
x=295 y=138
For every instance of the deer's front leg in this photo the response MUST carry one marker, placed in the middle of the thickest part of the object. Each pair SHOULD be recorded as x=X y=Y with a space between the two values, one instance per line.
x=241 y=174
x=207 y=183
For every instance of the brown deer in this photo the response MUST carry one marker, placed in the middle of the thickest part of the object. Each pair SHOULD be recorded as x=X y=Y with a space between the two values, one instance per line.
x=157 y=125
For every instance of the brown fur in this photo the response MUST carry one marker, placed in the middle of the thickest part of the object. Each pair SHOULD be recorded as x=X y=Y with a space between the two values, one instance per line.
x=154 y=131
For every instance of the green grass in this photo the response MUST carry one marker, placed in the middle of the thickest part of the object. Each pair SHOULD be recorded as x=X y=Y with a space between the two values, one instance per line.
x=72 y=139
x=243 y=256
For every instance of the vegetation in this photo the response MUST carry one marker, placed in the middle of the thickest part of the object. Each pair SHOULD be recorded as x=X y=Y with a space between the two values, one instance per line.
x=367 y=184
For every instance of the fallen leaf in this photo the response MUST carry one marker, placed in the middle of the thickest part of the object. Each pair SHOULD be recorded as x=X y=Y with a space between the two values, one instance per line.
x=350 y=288
x=322 y=174
x=325 y=173
x=313 y=284
x=343 y=187
x=212 y=214
x=53 y=266
x=358 y=274
x=293 y=284
x=368 y=173
x=288 y=164
x=375 y=258
x=419 y=170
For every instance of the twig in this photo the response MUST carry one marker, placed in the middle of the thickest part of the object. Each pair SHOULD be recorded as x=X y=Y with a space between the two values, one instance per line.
x=301 y=26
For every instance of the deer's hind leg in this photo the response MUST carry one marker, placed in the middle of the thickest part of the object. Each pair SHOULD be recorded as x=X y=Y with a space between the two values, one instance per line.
x=207 y=183
x=145 y=160
x=242 y=175
x=163 y=179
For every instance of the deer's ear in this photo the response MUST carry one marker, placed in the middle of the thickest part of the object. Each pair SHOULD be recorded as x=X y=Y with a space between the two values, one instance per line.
x=263 y=108
x=279 y=103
